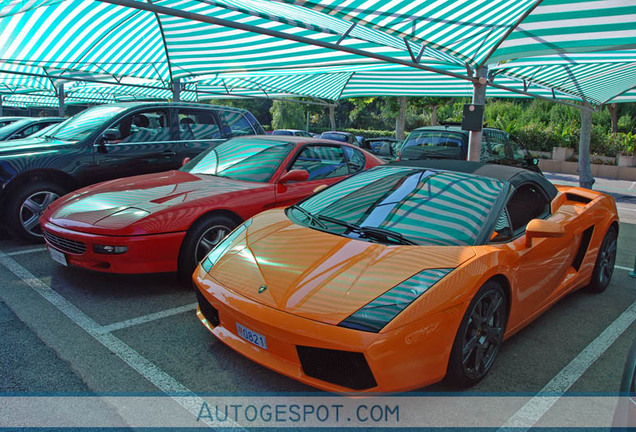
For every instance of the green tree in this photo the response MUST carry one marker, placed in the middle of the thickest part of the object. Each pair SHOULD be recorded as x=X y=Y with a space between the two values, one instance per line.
x=288 y=115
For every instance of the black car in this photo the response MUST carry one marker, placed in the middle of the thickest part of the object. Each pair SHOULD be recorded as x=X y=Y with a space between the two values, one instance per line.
x=8 y=120
x=103 y=143
x=26 y=127
x=451 y=142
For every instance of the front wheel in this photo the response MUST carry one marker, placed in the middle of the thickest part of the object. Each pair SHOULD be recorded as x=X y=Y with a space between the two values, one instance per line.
x=605 y=260
x=26 y=205
x=479 y=336
x=200 y=239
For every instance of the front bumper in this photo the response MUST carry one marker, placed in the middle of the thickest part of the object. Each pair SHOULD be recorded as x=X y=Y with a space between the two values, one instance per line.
x=408 y=357
x=155 y=253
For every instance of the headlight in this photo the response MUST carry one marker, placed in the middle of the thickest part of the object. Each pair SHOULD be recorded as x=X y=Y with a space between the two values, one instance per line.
x=216 y=253
x=375 y=315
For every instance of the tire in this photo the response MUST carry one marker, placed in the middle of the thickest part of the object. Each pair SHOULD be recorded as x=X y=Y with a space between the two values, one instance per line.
x=25 y=206
x=202 y=236
x=479 y=336
x=605 y=260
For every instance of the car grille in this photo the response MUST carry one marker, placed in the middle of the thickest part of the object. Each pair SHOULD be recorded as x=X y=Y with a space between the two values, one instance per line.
x=65 y=245
x=344 y=368
x=208 y=311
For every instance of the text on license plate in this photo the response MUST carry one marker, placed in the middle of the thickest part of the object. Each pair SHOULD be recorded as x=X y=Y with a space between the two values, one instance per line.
x=58 y=256
x=251 y=336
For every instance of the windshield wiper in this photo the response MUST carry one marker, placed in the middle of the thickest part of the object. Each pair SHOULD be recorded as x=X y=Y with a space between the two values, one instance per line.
x=370 y=232
x=312 y=218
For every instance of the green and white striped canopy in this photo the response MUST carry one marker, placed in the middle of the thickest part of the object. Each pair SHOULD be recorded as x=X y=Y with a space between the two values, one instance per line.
x=325 y=49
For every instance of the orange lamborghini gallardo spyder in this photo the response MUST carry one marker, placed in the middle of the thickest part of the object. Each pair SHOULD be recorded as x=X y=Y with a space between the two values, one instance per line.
x=402 y=275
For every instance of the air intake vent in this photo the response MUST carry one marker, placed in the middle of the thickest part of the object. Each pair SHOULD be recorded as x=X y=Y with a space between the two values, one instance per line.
x=343 y=368
x=65 y=245
x=577 y=198
x=208 y=311
x=585 y=243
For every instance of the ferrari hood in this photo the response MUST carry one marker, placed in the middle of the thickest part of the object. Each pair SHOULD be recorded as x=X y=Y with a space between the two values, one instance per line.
x=119 y=203
x=318 y=275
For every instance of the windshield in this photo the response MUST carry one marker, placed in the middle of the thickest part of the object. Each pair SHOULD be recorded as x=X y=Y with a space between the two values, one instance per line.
x=334 y=136
x=249 y=159
x=422 y=206
x=433 y=144
x=85 y=123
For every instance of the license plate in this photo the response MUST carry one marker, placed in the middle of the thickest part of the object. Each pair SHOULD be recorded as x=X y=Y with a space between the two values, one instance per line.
x=58 y=256
x=251 y=336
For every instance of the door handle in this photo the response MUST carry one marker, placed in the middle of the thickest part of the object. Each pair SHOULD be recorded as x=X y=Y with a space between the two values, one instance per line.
x=168 y=153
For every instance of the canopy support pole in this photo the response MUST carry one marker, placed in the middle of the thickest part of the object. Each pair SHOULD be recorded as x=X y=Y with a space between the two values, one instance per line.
x=586 y=180
x=60 y=98
x=176 y=90
x=1 y=100
x=479 y=98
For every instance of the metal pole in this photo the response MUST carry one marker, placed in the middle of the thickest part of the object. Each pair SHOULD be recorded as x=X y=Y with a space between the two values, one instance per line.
x=307 y=125
x=60 y=97
x=479 y=98
x=586 y=180
x=1 y=100
x=176 y=90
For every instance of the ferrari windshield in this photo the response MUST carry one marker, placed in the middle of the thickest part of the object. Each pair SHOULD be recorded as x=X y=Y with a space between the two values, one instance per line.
x=85 y=123
x=404 y=205
x=250 y=159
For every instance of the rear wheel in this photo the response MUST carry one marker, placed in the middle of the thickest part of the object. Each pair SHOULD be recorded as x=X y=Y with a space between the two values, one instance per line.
x=479 y=336
x=605 y=260
x=201 y=238
x=26 y=205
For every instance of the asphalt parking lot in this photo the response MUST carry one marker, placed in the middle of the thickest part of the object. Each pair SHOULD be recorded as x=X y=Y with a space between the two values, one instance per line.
x=67 y=330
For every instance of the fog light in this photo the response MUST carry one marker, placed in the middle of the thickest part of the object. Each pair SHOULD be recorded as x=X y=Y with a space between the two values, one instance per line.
x=106 y=249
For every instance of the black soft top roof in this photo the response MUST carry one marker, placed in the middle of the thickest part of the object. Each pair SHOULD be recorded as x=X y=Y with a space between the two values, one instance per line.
x=516 y=176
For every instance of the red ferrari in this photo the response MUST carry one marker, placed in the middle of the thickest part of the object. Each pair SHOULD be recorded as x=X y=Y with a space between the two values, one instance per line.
x=169 y=221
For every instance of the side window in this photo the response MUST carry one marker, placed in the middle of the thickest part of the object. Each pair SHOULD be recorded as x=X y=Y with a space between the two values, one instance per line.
x=527 y=203
x=198 y=125
x=356 y=160
x=322 y=162
x=239 y=125
x=144 y=126
x=518 y=151
x=497 y=143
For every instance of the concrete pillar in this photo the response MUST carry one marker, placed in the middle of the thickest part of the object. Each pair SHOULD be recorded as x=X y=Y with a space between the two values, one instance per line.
x=60 y=98
x=479 y=98
x=586 y=180
x=176 y=90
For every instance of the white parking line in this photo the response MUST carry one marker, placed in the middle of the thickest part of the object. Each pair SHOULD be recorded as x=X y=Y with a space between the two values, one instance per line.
x=625 y=209
x=27 y=251
x=167 y=384
x=623 y=268
x=534 y=409
x=147 y=318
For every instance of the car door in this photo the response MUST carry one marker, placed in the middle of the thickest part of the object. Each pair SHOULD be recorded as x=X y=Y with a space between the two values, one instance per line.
x=141 y=142
x=537 y=270
x=199 y=129
x=326 y=164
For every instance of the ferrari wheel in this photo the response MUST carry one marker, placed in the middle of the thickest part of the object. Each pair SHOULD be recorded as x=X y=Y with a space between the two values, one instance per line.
x=25 y=207
x=201 y=238
x=605 y=260
x=479 y=336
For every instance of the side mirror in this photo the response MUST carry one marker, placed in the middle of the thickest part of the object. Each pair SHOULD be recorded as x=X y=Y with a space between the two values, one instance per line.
x=185 y=161
x=294 y=175
x=539 y=228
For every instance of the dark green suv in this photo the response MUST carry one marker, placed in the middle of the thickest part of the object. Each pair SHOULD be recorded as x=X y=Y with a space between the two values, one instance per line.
x=451 y=142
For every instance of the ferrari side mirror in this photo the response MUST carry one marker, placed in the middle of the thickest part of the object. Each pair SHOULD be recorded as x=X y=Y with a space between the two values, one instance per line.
x=294 y=175
x=539 y=228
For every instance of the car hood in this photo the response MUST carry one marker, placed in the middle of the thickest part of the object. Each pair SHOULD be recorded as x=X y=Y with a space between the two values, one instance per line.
x=30 y=145
x=318 y=275
x=120 y=204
